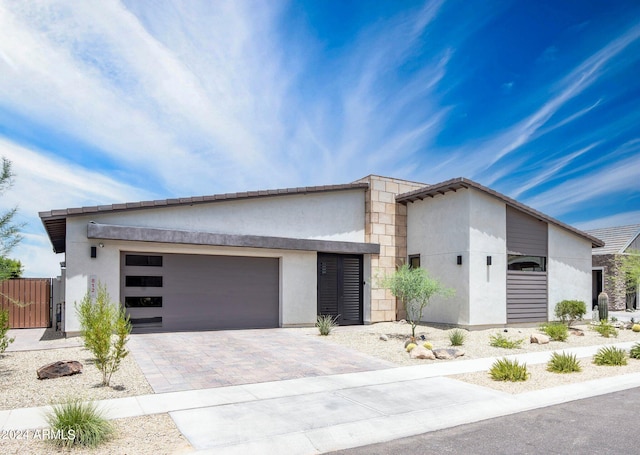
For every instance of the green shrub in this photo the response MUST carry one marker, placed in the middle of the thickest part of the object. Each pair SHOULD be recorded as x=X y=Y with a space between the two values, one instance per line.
x=78 y=423
x=326 y=323
x=457 y=337
x=634 y=353
x=5 y=341
x=556 y=331
x=606 y=329
x=500 y=341
x=568 y=311
x=611 y=356
x=563 y=363
x=99 y=321
x=508 y=370
x=427 y=345
x=410 y=347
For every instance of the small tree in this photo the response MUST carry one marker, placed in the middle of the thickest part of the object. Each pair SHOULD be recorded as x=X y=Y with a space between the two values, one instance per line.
x=10 y=268
x=569 y=311
x=99 y=322
x=414 y=288
x=9 y=231
x=629 y=270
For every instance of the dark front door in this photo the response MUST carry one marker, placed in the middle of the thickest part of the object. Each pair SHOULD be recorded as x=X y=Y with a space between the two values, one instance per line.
x=340 y=287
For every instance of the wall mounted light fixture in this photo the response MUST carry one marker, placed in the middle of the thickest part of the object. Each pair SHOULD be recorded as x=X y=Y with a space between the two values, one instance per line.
x=94 y=252
x=459 y=261
x=101 y=245
x=488 y=260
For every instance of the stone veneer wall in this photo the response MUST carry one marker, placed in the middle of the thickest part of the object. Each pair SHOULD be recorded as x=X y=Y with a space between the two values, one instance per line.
x=386 y=224
x=614 y=289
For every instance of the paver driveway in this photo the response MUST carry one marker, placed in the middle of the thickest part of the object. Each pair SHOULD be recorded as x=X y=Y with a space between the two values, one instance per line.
x=194 y=360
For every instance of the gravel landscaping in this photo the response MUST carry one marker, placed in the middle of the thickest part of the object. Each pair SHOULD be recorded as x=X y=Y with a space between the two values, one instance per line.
x=157 y=434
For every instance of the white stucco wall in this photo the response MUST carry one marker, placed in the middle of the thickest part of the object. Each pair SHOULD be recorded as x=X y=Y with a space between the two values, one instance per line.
x=335 y=216
x=487 y=283
x=298 y=272
x=569 y=268
x=438 y=230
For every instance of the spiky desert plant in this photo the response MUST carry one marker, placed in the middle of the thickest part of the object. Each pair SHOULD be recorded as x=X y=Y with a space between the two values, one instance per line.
x=78 y=423
x=603 y=306
x=326 y=323
x=634 y=353
x=606 y=329
x=508 y=370
x=563 y=363
x=610 y=356
x=556 y=331
x=457 y=337
x=500 y=341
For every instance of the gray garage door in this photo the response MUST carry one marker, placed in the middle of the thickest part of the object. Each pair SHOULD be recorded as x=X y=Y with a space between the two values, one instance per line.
x=196 y=292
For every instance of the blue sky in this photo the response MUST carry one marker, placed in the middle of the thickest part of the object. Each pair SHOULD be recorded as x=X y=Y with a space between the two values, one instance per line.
x=106 y=101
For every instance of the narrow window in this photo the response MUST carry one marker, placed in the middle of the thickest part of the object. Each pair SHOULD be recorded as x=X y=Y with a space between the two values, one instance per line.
x=414 y=261
x=143 y=281
x=143 y=302
x=527 y=263
x=143 y=260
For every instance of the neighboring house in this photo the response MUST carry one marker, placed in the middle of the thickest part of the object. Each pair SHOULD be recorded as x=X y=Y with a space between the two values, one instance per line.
x=278 y=258
x=619 y=241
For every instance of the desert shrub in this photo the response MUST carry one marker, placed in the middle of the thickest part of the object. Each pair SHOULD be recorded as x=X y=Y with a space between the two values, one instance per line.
x=5 y=341
x=568 y=311
x=606 y=329
x=326 y=323
x=99 y=322
x=556 y=331
x=611 y=356
x=457 y=337
x=500 y=341
x=563 y=363
x=634 y=353
x=427 y=345
x=508 y=370
x=635 y=327
x=78 y=423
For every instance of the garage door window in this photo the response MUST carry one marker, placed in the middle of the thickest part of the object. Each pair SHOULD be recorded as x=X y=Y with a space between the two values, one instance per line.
x=143 y=302
x=143 y=260
x=143 y=281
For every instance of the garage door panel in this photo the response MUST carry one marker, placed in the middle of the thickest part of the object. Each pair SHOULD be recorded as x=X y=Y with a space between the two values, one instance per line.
x=216 y=292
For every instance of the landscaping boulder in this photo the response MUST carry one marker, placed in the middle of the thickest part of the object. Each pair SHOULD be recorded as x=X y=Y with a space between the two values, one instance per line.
x=383 y=337
x=539 y=338
x=59 y=369
x=420 y=352
x=447 y=354
x=576 y=332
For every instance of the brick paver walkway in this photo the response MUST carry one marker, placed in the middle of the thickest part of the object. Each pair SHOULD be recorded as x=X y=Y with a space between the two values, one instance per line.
x=194 y=360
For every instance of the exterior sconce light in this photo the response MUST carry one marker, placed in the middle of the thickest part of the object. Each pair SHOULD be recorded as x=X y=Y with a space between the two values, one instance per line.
x=101 y=245
x=94 y=252
x=488 y=260
x=459 y=261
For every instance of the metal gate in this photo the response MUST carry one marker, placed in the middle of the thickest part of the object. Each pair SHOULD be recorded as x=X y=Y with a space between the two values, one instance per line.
x=28 y=301
x=340 y=287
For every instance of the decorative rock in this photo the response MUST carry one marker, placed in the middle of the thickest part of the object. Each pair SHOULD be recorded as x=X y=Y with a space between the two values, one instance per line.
x=539 y=338
x=420 y=352
x=447 y=354
x=576 y=332
x=383 y=337
x=59 y=369
x=402 y=321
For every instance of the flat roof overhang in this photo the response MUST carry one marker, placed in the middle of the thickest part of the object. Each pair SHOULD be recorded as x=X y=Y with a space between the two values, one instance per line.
x=172 y=236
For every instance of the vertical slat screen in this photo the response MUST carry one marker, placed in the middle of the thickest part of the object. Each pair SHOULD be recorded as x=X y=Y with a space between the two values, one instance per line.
x=28 y=301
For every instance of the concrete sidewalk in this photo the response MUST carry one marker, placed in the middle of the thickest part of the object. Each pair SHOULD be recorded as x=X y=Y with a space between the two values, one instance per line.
x=325 y=413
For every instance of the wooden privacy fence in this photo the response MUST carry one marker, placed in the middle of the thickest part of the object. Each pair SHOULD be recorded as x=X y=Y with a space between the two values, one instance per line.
x=28 y=302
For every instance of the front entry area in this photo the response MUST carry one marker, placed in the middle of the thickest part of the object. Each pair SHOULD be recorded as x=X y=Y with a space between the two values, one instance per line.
x=340 y=287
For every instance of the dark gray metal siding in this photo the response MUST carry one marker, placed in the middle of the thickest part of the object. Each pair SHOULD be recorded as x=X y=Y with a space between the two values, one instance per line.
x=527 y=296
x=525 y=234
x=210 y=292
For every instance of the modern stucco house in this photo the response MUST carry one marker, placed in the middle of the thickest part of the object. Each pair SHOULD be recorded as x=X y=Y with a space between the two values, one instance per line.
x=619 y=241
x=277 y=258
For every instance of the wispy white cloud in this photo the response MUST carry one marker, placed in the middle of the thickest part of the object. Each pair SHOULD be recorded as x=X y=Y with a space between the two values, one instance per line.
x=619 y=219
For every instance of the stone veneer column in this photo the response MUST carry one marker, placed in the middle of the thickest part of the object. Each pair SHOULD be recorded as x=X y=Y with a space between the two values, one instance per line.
x=615 y=289
x=386 y=224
